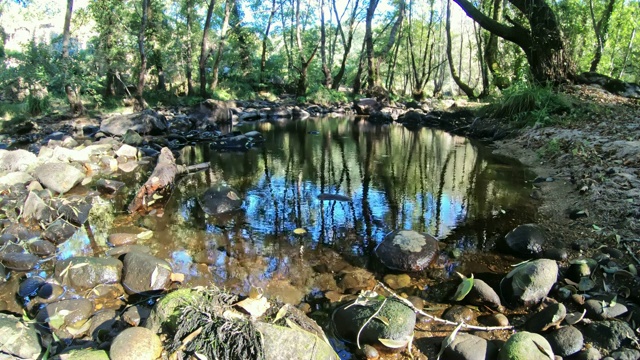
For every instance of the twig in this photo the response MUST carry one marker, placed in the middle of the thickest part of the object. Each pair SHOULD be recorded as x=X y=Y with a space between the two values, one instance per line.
x=435 y=318
x=197 y=167
x=626 y=246
x=367 y=322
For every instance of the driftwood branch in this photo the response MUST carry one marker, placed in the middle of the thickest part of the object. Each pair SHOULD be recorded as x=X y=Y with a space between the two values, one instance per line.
x=437 y=319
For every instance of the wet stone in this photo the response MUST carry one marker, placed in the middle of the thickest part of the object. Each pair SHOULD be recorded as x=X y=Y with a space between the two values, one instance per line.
x=565 y=341
x=136 y=343
x=609 y=334
x=134 y=315
x=104 y=325
x=470 y=347
x=59 y=231
x=35 y=208
x=525 y=240
x=546 y=318
x=83 y=273
x=19 y=261
x=120 y=239
x=143 y=272
x=30 y=286
x=50 y=292
x=67 y=318
x=76 y=210
x=599 y=311
x=459 y=313
x=109 y=186
x=42 y=248
x=407 y=250
x=125 y=249
x=20 y=340
x=219 y=199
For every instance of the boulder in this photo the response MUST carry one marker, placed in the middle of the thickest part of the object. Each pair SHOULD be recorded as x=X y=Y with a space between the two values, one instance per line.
x=15 y=178
x=394 y=321
x=35 y=208
x=59 y=231
x=546 y=318
x=407 y=250
x=136 y=343
x=84 y=273
x=366 y=106
x=609 y=334
x=75 y=209
x=212 y=112
x=379 y=117
x=219 y=199
x=293 y=343
x=565 y=341
x=529 y=283
x=19 y=340
x=17 y=160
x=145 y=122
x=19 y=261
x=525 y=241
x=483 y=294
x=470 y=347
x=67 y=318
x=59 y=177
x=144 y=272
x=526 y=346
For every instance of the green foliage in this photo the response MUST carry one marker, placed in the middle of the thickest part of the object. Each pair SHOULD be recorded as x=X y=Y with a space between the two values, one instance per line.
x=320 y=95
x=38 y=105
x=550 y=149
x=529 y=104
x=10 y=111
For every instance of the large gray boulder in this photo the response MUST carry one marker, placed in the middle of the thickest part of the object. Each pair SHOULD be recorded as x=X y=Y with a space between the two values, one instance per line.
x=18 y=339
x=145 y=122
x=144 y=272
x=17 y=160
x=407 y=250
x=219 y=199
x=529 y=283
x=84 y=273
x=59 y=177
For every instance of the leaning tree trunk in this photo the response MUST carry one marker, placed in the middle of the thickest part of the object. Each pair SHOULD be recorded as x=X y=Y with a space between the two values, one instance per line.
x=204 y=51
x=221 y=44
x=464 y=87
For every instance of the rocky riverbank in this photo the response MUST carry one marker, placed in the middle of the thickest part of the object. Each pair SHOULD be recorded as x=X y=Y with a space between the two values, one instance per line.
x=72 y=293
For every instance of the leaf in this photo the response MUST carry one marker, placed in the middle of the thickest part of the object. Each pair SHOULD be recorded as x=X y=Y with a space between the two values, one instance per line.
x=281 y=313
x=463 y=289
x=255 y=307
x=77 y=266
x=232 y=196
x=383 y=319
x=154 y=276
x=300 y=231
x=394 y=344
x=145 y=235
x=574 y=318
x=613 y=301
x=596 y=227
x=544 y=350
x=449 y=340
x=586 y=284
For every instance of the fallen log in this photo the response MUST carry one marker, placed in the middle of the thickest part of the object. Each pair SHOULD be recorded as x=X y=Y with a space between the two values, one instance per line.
x=161 y=179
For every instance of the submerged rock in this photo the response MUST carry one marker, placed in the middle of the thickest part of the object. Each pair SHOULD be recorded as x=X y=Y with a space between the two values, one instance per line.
x=67 y=318
x=529 y=283
x=407 y=250
x=144 y=272
x=84 y=273
x=220 y=199
x=525 y=240
x=394 y=321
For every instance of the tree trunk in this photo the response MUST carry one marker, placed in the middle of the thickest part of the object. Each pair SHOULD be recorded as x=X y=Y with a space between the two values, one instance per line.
x=265 y=38
x=464 y=87
x=66 y=33
x=368 y=41
x=221 y=44
x=204 y=50
x=346 y=41
x=162 y=86
x=323 y=47
x=141 y=104
x=491 y=50
x=601 y=28
x=542 y=42
x=162 y=177
x=304 y=63
x=189 y=50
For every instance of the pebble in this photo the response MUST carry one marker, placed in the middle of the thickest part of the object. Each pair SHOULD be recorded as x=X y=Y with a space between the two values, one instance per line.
x=459 y=313
x=495 y=320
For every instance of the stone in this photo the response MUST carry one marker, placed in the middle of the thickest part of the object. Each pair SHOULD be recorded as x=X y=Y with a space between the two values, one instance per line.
x=609 y=334
x=144 y=272
x=15 y=178
x=599 y=311
x=131 y=137
x=565 y=341
x=525 y=240
x=379 y=117
x=145 y=122
x=470 y=347
x=232 y=143
x=396 y=282
x=105 y=325
x=35 y=208
x=365 y=106
x=219 y=199
x=494 y=320
x=546 y=318
x=42 y=248
x=626 y=354
x=483 y=295
x=213 y=112
x=459 y=313
x=82 y=354
x=84 y=273
x=134 y=315
x=127 y=151
x=529 y=283
x=526 y=346
x=17 y=160
x=164 y=315
x=18 y=339
x=50 y=292
x=30 y=286
x=120 y=239
x=348 y=321
x=407 y=250
x=59 y=231
x=588 y=354
x=19 y=261
x=287 y=343
x=58 y=177
x=75 y=209
x=67 y=318
x=109 y=186
x=136 y=343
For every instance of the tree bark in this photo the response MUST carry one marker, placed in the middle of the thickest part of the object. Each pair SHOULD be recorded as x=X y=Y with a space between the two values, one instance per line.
x=323 y=47
x=464 y=87
x=66 y=33
x=368 y=41
x=304 y=63
x=141 y=104
x=601 y=29
x=189 y=50
x=162 y=177
x=542 y=42
x=265 y=38
x=204 y=50
x=346 y=41
x=221 y=44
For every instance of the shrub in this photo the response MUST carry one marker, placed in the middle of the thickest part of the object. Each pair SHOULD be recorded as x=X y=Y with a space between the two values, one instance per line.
x=37 y=105
x=322 y=96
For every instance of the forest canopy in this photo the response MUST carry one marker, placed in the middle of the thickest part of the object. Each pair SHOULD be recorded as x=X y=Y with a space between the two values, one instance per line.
x=95 y=51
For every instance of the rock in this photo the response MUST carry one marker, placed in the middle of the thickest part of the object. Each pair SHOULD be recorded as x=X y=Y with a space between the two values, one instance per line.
x=599 y=311
x=249 y=116
x=75 y=209
x=396 y=282
x=613 y=252
x=67 y=318
x=30 y=286
x=526 y=346
x=109 y=186
x=84 y=273
x=366 y=105
x=145 y=122
x=219 y=199
x=525 y=240
x=42 y=248
x=407 y=250
x=379 y=117
x=494 y=320
x=121 y=239
x=134 y=315
x=131 y=138
x=125 y=249
x=609 y=334
x=59 y=231
x=82 y=354
x=17 y=160
x=136 y=343
x=459 y=313
x=565 y=341
x=470 y=347
x=546 y=318
x=144 y=272
x=529 y=283
x=483 y=294
x=35 y=208
x=127 y=151
x=58 y=177
x=213 y=112
x=105 y=325
x=298 y=113
x=347 y=321
x=555 y=254
x=19 y=340
x=588 y=354
x=287 y=343
x=164 y=315
x=50 y=292
x=232 y=143
x=355 y=280
x=19 y=261
x=626 y=354
x=15 y=178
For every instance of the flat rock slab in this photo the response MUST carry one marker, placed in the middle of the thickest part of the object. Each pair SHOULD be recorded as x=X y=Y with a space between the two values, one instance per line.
x=59 y=177
x=19 y=261
x=18 y=339
x=407 y=250
x=84 y=273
